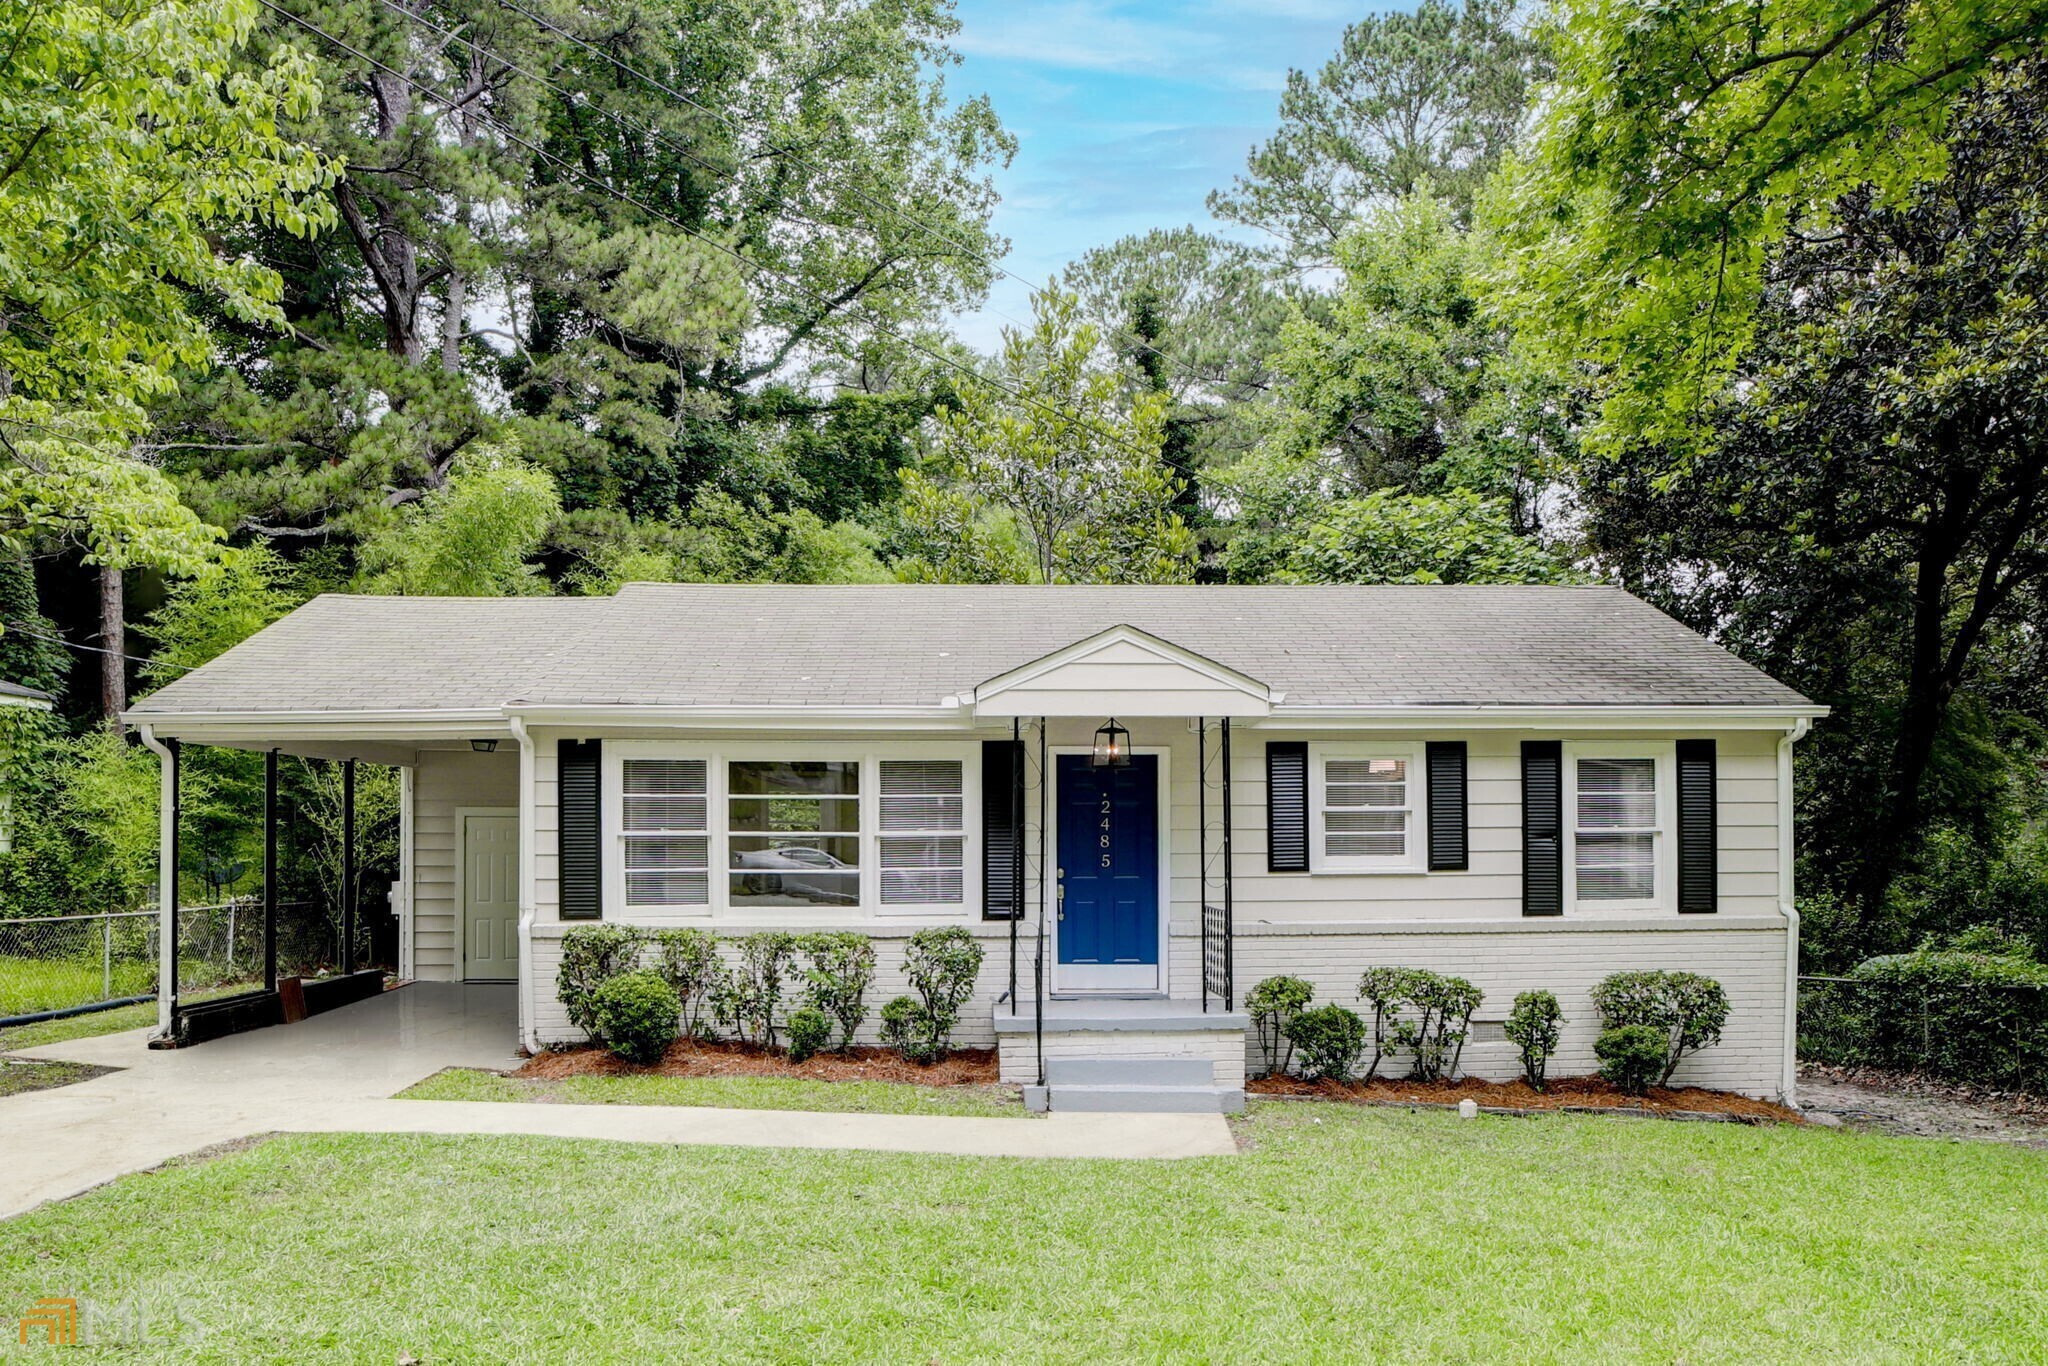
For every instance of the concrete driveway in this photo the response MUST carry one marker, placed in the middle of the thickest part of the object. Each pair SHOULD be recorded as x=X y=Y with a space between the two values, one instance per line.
x=336 y=1072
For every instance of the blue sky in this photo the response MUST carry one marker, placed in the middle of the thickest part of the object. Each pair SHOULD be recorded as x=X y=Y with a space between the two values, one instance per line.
x=1126 y=114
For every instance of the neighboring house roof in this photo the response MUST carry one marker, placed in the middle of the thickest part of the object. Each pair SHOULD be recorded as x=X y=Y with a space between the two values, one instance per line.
x=750 y=646
x=19 y=695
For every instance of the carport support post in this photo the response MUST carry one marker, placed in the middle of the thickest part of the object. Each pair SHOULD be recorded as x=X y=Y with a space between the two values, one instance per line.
x=348 y=865
x=270 y=870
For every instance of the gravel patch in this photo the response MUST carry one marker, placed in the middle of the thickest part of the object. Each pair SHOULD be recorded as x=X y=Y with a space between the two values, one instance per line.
x=1907 y=1106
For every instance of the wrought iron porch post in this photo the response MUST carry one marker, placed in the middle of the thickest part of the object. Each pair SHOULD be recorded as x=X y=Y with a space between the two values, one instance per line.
x=1016 y=847
x=1038 y=963
x=1202 y=846
x=1229 y=911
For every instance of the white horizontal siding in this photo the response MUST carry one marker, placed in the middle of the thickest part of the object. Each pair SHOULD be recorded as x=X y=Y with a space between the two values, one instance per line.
x=443 y=782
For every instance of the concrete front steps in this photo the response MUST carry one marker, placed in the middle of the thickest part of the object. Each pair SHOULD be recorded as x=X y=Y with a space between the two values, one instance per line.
x=1144 y=1056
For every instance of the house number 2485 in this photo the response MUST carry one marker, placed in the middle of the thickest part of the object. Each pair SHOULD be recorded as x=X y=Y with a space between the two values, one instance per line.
x=1104 y=838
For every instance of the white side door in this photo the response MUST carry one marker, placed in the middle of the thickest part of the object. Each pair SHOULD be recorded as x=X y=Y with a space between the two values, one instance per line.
x=490 y=898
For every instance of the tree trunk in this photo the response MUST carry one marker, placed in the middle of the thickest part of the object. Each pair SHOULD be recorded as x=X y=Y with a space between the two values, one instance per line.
x=113 y=640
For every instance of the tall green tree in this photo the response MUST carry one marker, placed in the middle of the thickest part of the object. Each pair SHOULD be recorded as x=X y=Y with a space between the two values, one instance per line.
x=1869 y=517
x=1679 y=146
x=1059 y=450
x=1194 y=317
x=131 y=136
x=598 y=231
x=1405 y=380
x=1429 y=97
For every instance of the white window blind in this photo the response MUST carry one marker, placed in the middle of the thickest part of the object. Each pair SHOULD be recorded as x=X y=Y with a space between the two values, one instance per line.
x=921 y=842
x=1365 y=810
x=1615 y=831
x=664 y=820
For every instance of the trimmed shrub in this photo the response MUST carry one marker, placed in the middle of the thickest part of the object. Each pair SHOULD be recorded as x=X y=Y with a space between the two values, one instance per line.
x=1533 y=1026
x=748 y=997
x=687 y=959
x=1425 y=1014
x=907 y=1028
x=1967 y=1016
x=810 y=1030
x=1689 y=1009
x=942 y=966
x=837 y=980
x=1631 y=1056
x=1330 y=1039
x=635 y=1015
x=1272 y=1003
x=591 y=956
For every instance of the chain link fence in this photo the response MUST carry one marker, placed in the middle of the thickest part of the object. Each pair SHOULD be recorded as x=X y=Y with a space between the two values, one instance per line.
x=1986 y=1034
x=62 y=962
x=65 y=962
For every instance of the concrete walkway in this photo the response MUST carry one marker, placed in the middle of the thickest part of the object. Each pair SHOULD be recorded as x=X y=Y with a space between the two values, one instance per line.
x=336 y=1072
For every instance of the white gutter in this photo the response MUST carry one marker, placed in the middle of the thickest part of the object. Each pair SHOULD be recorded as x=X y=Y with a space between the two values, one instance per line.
x=166 y=881
x=527 y=910
x=1788 y=904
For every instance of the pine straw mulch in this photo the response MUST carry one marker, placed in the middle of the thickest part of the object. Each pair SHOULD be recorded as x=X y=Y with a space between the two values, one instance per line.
x=697 y=1058
x=1569 y=1094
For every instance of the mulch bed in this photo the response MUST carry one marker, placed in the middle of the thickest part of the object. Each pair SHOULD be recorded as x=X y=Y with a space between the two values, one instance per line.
x=1562 y=1094
x=693 y=1058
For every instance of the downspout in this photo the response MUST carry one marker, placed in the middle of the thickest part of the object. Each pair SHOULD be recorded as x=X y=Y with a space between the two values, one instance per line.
x=527 y=1038
x=401 y=895
x=1787 y=903
x=166 y=879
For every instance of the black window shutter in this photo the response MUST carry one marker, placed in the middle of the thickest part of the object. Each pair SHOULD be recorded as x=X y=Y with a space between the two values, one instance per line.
x=1002 y=824
x=579 y=864
x=1448 y=846
x=1697 y=873
x=1286 y=806
x=1542 y=827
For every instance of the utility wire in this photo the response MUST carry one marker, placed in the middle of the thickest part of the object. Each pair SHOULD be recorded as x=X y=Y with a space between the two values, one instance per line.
x=989 y=263
x=875 y=328
x=94 y=649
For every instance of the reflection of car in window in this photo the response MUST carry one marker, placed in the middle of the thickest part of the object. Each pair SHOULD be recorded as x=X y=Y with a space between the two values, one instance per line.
x=833 y=891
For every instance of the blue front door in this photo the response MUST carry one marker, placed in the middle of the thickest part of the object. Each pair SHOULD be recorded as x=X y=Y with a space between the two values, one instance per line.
x=1109 y=874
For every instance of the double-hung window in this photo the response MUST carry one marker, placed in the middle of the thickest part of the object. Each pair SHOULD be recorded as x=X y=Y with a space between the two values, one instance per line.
x=664 y=806
x=921 y=834
x=830 y=828
x=1367 y=804
x=1619 y=802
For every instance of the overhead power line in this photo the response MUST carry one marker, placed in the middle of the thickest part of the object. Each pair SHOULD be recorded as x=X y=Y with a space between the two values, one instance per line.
x=875 y=327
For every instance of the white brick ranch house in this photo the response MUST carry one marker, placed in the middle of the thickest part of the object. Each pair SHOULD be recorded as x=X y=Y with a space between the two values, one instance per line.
x=1527 y=786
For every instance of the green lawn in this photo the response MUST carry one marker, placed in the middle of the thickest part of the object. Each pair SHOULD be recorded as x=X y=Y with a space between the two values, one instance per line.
x=745 y=1093
x=23 y=1037
x=1342 y=1234
x=31 y=984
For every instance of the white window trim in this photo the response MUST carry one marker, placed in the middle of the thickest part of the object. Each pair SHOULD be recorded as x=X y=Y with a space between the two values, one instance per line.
x=716 y=757
x=1664 y=753
x=1410 y=752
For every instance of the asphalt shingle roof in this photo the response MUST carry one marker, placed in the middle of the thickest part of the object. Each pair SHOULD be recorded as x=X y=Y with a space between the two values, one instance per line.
x=891 y=645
